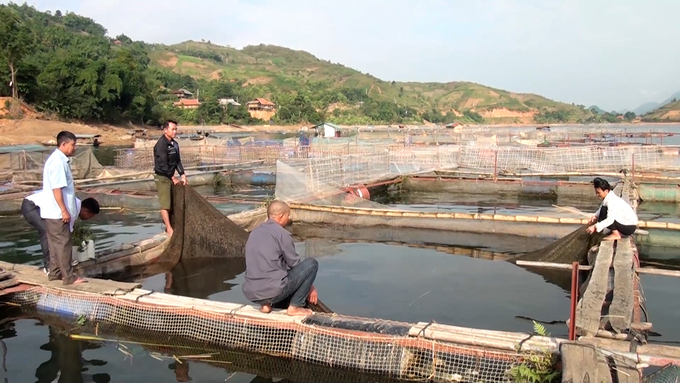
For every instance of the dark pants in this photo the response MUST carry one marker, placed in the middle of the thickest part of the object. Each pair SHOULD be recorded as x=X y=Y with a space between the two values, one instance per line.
x=32 y=214
x=61 y=247
x=625 y=230
x=299 y=284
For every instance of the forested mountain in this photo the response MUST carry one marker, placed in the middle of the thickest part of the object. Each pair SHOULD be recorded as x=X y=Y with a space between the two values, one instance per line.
x=66 y=65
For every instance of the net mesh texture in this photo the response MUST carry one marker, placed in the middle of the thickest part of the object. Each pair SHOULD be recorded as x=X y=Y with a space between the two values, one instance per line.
x=403 y=357
x=483 y=158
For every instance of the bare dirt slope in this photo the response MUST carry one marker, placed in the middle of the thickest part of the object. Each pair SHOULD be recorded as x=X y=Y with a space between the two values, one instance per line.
x=34 y=131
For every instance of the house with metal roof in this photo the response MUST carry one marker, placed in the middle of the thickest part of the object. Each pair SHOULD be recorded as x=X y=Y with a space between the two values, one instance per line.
x=327 y=130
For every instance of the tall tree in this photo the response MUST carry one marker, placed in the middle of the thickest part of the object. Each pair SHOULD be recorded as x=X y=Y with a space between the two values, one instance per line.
x=15 y=42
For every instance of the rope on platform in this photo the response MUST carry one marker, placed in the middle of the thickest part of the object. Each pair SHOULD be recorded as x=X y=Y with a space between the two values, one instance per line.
x=144 y=295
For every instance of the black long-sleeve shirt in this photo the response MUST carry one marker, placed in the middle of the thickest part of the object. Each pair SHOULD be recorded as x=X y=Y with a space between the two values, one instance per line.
x=166 y=159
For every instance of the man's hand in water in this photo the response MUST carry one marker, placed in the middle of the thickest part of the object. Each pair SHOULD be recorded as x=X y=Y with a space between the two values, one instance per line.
x=313 y=296
x=591 y=229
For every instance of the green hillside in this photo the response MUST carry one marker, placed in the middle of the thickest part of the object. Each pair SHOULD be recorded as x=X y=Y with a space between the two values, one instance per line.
x=67 y=67
x=667 y=113
x=272 y=71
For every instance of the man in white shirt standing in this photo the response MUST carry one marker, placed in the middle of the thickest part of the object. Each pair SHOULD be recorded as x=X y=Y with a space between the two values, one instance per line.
x=59 y=208
x=30 y=209
x=614 y=214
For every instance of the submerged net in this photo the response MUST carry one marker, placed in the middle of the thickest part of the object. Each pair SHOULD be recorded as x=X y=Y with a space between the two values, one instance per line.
x=201 y=231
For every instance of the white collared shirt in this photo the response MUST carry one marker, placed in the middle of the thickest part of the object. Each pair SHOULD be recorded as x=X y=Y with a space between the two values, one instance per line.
x=39 y=198
x=617 y=210
x=57 y=175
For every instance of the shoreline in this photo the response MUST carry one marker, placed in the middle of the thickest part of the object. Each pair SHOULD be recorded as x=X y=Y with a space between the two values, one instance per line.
x=34 y=131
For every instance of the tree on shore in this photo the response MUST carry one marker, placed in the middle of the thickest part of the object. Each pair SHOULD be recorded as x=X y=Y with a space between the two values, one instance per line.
x=15 y=43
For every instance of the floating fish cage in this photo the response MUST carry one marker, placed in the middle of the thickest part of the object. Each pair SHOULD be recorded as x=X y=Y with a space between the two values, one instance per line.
x=421 y=352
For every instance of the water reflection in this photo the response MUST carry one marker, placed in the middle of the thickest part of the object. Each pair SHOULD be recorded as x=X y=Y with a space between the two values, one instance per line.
x=66 y=363
x=203 y=277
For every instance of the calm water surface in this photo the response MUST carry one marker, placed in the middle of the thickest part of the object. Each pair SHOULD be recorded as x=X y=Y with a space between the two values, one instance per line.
x=381 y=280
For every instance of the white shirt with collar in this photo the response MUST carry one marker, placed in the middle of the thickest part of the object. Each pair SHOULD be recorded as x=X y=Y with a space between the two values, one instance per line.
x=40 y=198
x=57 y=175
x=617 y=210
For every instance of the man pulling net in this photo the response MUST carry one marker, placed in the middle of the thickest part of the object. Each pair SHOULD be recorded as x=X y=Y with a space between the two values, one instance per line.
x=202 y=231
x=275 y=273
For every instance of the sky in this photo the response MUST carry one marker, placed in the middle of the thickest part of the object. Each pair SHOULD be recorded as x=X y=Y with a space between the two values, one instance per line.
x=616 y=54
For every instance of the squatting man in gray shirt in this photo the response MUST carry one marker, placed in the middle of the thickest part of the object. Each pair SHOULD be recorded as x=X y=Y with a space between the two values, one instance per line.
x=275 y=274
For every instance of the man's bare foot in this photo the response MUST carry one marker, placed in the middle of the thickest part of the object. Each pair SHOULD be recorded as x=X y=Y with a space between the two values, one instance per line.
x=266 y=309
x=613 y=236
x=298 y=311
x=80 y=280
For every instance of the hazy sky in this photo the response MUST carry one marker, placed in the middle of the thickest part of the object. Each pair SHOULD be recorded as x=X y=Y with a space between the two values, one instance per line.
x=612 y=53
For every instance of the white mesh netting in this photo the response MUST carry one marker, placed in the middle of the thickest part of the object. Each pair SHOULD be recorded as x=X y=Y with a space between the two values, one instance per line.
x=402 y=356
x=403 y=159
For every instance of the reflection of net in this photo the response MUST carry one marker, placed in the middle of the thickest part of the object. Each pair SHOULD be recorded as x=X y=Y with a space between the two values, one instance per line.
x=186 y=350
x=404 y=357
x=318 y=247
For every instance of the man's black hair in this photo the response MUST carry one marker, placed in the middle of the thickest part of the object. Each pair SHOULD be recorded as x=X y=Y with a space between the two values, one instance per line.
x=91 y=205
x=65 y=137
x=167 y=123
x=600 y=183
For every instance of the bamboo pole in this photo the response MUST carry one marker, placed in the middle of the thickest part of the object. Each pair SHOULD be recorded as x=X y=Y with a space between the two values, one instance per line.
x=474 y=216
x=562 y=266
x=150 y=172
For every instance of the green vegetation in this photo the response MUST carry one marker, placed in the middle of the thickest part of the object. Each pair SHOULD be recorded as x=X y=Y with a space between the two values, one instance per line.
x=81 y=235
x=537 y=367
x=667 y=113
x=65 y=65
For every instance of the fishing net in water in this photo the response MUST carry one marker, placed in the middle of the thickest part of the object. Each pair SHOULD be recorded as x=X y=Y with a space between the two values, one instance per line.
x=201 y=231
x=668 y=374
x=574 y=247
x=570 y=248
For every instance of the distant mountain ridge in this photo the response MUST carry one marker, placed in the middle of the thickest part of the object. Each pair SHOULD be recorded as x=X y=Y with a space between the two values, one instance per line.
x=651 y=106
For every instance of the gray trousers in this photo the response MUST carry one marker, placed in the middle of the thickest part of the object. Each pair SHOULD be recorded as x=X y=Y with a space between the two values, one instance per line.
x=31 y=213
x=61 y=247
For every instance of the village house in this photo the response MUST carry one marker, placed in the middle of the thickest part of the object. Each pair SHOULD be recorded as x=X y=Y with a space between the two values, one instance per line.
x=261 y=108
x=183 y=93
x=185 y=103
x=327 y=130
x=261 y=104
x=228 y=101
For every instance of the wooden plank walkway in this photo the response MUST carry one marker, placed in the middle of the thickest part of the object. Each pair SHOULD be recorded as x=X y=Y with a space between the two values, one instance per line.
x=31 y=275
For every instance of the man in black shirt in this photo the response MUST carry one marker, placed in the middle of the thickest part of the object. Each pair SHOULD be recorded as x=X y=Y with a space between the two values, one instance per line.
x=166 y=161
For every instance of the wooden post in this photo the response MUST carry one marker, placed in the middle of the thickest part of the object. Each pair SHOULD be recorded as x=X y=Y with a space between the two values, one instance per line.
x=579 y=363
x=632 y=170
x=574 y=301
x=495 y=165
